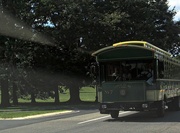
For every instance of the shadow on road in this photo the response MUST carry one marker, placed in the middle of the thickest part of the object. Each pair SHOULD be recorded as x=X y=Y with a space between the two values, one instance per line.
x=148 y=117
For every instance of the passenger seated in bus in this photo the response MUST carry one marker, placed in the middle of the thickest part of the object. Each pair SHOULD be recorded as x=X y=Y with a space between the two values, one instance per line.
x=161 y=74
x=147 y=74
x=133 y=71
x=127 y=75
x=150 y=81
x=150 y=74
x=117 y=74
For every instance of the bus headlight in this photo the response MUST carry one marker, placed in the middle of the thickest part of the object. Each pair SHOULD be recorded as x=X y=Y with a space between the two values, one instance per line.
x=145 y=105
x=104 y=106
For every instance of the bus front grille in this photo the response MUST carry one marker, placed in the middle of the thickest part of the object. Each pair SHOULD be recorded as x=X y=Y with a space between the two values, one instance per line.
x=132 y=91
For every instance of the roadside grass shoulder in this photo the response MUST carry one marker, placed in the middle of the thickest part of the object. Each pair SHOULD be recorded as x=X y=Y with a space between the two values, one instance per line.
x=27 y=110
x=43 y=108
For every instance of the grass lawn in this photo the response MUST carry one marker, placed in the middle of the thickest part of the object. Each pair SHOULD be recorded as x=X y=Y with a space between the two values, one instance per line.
x=24 y=108
x=87 y=94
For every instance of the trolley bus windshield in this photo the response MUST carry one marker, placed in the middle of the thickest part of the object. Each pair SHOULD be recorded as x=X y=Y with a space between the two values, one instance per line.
x=128 y=70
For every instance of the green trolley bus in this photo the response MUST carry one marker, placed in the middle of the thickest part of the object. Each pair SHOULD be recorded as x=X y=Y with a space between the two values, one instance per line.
x=137 y=76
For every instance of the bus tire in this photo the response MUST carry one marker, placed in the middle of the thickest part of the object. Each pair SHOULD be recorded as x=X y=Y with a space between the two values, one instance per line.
x=171 y=106
x=161 y=108
x=177 y=103
x=115 y=114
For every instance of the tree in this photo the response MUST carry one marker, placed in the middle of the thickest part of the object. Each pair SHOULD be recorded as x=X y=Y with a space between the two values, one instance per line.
x=149 y=20
x=18 y=52
x=72 y=30
x=4 y=92
x=176 y=46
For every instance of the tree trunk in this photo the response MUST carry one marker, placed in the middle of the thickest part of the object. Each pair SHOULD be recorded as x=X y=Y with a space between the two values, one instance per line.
x=33 y=98
x=56 y=97
x=4 y=93
x=96 y=97
x=74 y=95
x=15 y=98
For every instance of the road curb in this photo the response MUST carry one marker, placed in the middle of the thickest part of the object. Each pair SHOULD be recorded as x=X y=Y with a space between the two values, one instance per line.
x=38 y=116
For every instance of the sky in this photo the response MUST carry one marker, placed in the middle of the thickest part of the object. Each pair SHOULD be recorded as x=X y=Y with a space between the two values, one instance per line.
x=176 y=4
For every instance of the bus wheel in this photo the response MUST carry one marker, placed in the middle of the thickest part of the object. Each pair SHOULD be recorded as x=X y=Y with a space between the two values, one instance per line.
x=115 y=114
x=161 y=108
x=177 y=103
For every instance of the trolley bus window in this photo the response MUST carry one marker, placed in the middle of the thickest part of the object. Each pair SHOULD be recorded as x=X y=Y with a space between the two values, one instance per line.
x=127 y=70
x=160 y=69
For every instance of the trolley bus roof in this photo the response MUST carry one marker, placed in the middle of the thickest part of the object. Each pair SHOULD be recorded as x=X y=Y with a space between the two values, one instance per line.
x=142 y=44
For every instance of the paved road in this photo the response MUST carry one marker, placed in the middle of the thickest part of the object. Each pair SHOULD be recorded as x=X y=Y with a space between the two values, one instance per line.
x=90 y=121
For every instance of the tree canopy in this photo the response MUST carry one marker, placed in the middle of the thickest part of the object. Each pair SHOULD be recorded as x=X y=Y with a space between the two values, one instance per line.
x=59 y=36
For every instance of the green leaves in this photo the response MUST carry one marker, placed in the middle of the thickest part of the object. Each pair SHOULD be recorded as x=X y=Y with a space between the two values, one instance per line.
x=61 y=35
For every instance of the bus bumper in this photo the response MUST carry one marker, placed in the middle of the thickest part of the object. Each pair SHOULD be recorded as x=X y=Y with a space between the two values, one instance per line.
x=106 y=108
